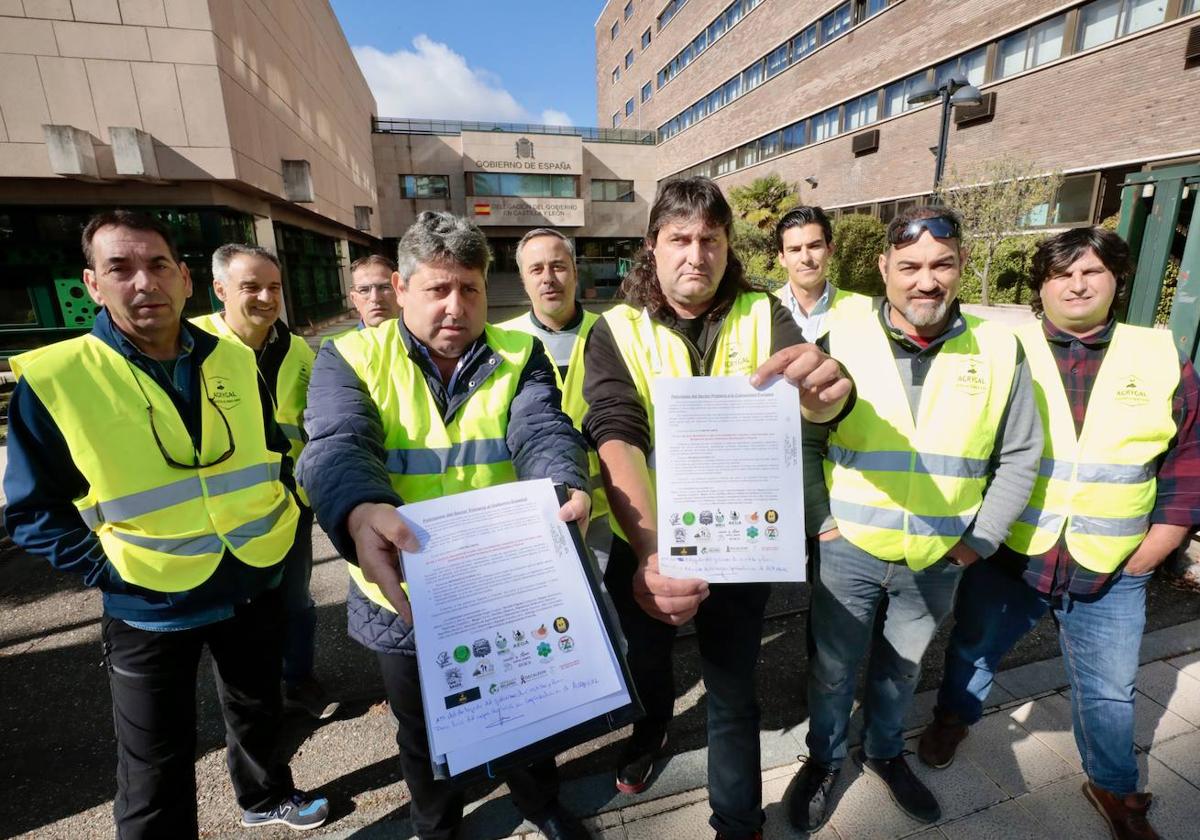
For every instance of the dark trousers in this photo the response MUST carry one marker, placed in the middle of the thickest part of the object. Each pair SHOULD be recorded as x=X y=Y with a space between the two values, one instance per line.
x=152 y=677
x=437 y=805
x=729 y=632
x=300 y=637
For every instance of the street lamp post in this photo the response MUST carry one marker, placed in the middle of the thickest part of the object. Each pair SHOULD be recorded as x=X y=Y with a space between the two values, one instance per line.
x=954 y=92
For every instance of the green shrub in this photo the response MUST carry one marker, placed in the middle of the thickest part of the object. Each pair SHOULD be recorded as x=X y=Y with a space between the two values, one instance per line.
x=1008 y=275
x=858 y=241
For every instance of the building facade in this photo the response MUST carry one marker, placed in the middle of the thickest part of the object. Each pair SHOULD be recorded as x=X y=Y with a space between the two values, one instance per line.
x=230 y=119
x=817 y=91
x=595 y=185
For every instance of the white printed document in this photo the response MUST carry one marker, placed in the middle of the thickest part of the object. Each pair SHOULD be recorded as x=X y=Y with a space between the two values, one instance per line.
x=511 y=646
x=730 y=487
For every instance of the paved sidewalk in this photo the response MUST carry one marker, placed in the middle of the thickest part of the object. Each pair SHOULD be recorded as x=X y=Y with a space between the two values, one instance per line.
x=1016 y=776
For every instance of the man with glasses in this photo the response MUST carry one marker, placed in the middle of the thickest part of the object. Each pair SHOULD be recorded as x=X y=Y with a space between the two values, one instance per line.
x=371 y=290
x=248 y=281
x=925 y=475
x=142 y=458
x=1116 y=494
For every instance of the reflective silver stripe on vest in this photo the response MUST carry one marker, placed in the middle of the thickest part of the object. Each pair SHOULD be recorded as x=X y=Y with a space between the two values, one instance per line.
x=292 y=432
x=188 y=547
x=1110 y=526
x=1094 y=526
x=125 y=508
x=1039 y=518
x=928 y=463
x=893 y=520
x=469 y=453
x=1096 y=473
x=260 y=527
x=241 y=479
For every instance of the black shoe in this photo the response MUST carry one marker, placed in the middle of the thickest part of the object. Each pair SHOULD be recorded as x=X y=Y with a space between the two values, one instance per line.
x=308 y=696
x=807 y=797
x=557 y=824
x=637 y=758
x=906 y=789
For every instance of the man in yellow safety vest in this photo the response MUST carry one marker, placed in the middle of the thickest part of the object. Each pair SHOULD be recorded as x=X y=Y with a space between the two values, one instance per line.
x=431 y=404
x=142 y=458
x=1117 y=491
x=689 y=311
x=248 y=280
x=925 y=475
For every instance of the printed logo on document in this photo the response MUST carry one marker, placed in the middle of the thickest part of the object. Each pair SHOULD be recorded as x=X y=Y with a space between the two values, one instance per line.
x=674 y=518
x=734 y=518
x=771 y=516
x=541 y=632
x=566 y=644
x=719 y=517
x=543 y=649
x=752 y=532
x=483 y=668
x=481 y=648
x=703 y=535
x=706 y=517
x=443 y=659
x=519 y=639
x=462 y=653
x=681 y=535
x=453 y=678
x=561 y=625
x=501 y=643
x=772 y=532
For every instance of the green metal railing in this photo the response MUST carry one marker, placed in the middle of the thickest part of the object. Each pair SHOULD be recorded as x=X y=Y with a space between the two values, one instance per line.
x=1158 y=208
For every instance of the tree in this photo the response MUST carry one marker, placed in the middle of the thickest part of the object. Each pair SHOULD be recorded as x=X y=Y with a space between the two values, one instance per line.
x=996 y=200
x=757 y=208
x=858 y=242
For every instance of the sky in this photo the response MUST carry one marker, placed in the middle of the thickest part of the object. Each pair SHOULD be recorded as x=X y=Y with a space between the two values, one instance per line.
x=502 y=61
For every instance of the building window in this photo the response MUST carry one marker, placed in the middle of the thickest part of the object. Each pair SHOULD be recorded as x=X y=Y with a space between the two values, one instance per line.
x=895 y=96
x=628 y=59
x=629 y=107
x=972 y=67
x=1104 y=20
x=726 y=163
x=825 y=125
x=777 y=60
x=793 y=136
x=616 y=75
x=647 y=91
x=769 y=146
x=616 y=28
x=1031 y=47
x=612 y=190
x=752 y=77
x=669 y=12
x=748 y=154
x=646 y=38
x=629 y=10
x=835 y=23
x=1072 y=204
x=1190 y=6
x=523 y=186
x=424 y=186
x=862 y=111
x=616 y=121
x=804 y=43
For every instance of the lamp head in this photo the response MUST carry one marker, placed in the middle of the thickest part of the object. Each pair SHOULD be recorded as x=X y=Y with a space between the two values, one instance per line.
x=924 y=91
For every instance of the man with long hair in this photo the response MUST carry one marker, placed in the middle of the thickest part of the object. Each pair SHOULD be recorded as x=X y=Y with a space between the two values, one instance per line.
x=689 y=311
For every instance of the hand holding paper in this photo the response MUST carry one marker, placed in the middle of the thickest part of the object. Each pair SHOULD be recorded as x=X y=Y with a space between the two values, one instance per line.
x=822 y=383
x=578 y=508
x=670 y=600
x=379 y=535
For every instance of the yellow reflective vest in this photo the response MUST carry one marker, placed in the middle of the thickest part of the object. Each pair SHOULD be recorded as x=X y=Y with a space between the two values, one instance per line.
x=165 y=528
x=573 y=403
x=905 y=489
x=843 y=304
x=650 y=350
x=426 y=457
x=291 y=386
x=1099 y=486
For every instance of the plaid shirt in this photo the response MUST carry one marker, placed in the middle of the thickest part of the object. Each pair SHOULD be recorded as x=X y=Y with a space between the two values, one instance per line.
x=1178 y=501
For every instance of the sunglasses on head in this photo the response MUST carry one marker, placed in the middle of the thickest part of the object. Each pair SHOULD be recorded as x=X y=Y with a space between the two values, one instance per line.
x=939 y=227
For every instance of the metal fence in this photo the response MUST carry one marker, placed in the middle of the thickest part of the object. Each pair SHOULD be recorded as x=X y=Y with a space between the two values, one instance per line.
x=382 y=125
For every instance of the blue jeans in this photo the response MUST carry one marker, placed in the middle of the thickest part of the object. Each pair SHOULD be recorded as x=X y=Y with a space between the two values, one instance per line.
x=300 y=637
x=848 y=586
x=729 y=632
x=1100 y=636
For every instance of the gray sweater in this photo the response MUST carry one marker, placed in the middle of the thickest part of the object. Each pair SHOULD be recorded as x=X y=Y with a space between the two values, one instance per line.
x=1015 y=457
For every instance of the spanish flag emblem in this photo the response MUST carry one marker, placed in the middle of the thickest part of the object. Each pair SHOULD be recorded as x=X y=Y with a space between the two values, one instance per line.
x=483 y=208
